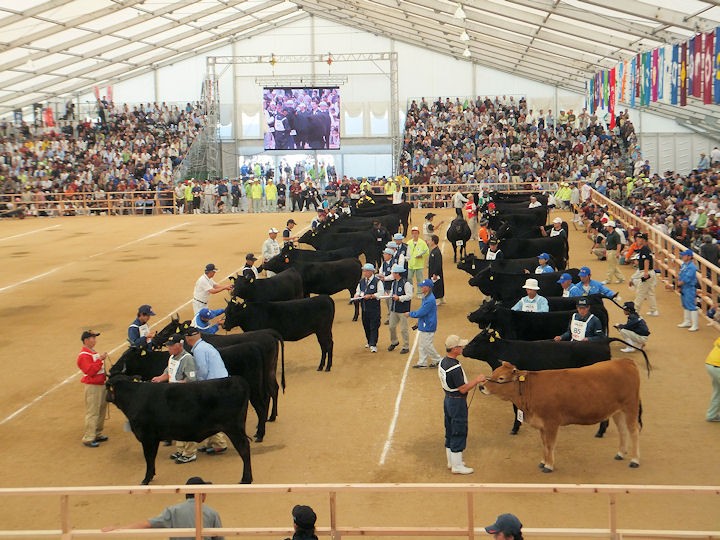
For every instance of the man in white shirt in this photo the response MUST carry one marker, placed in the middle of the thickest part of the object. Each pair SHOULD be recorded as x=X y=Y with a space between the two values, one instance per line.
x=715 y=156
x=270 y=248
x=205 y=286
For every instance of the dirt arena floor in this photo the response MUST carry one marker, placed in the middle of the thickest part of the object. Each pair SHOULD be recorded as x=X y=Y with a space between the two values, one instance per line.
x=61 y=276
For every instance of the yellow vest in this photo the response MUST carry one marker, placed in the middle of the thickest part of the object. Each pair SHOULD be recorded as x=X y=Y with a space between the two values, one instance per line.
x=415 y=248
x=713 y=358
x=271 y=192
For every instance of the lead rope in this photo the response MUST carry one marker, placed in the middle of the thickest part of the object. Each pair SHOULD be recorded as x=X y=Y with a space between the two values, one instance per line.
x=472 y=397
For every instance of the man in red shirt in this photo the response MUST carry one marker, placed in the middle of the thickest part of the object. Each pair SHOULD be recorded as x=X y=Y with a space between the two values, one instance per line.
x=92 y=364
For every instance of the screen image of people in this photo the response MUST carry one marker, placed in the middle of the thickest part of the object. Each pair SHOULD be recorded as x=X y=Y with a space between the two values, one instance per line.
x=302 y=118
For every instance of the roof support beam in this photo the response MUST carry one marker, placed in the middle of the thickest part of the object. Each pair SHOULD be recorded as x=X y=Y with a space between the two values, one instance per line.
x=31 y=12
x=656 y=14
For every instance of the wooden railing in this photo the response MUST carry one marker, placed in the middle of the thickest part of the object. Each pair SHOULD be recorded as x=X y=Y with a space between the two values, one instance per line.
x=666 y=255
x=440 y=195
x=337 y=530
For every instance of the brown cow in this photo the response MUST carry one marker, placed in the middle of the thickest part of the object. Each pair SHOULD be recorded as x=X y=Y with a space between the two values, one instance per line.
x=586 y=395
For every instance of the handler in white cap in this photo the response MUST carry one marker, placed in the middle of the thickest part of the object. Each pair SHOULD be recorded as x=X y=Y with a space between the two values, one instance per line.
x=613 y=247
x=532 y=301
x=367 y=292
x=270 y=248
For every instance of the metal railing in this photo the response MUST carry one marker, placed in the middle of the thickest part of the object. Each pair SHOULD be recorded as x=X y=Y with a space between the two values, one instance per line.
x=331 y=514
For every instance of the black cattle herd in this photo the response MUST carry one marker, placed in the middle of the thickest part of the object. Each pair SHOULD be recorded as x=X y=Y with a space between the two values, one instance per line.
x=279 y=308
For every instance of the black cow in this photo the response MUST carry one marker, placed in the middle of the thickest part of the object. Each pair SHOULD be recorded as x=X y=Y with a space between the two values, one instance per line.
x=346 y=223
x=522 y=219
x=509 y=230
x=363 y=241
x=458 y=235
x=286 y=285
x=183 y=412
x=508 y=286
x=293 y=320
x=382 y=208
x=529 y=326
x=538 y=356
x=518 y=248
x=472 y=265
x=293 y=254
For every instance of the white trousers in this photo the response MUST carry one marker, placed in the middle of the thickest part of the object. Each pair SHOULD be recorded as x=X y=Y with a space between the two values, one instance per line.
x=426 y=349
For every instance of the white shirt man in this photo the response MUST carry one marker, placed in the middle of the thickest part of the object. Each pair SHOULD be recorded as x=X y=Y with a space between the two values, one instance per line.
x=270 y=248
x=205 y=286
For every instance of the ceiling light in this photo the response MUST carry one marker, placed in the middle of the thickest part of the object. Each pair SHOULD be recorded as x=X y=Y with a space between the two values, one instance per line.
x=467 y=53
x=464 y=36
x=459 y=13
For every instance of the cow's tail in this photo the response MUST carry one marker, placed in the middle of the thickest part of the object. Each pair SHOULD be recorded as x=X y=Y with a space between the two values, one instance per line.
x=648 y=367
x=282 y=362
x=640 y=415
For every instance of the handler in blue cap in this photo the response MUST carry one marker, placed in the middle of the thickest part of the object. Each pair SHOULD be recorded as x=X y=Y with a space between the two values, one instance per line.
x=589 y=286
x=427 y=325
x=203 y=320
x=506 y=527
x=687 y=281
x=139 y=334
x=543 y=267
x=565 y=282
x=367 y=292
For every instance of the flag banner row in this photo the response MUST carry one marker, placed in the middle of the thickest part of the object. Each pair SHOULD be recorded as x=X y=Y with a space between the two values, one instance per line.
x=668 y=74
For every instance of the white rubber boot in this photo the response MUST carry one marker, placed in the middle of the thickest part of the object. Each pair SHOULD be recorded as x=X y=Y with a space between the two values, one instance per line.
x=686 y=319
x=694 y=320
x=448 y=454
x=458 y=467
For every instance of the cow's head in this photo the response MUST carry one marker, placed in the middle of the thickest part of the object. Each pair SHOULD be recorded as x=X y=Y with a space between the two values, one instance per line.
x=505 y=374
x=235 y=313
x=112 y=381
x=484 y=315
x=163 y=334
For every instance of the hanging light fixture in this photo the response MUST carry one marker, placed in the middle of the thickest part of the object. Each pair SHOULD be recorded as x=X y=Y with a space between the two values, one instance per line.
x=467 y=53
x=464 y=36
x=459 y=13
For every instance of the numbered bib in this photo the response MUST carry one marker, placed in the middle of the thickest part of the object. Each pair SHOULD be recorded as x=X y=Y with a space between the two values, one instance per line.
x=520 y=416
x=459 y=243
x=577 y=330
x=529 y=307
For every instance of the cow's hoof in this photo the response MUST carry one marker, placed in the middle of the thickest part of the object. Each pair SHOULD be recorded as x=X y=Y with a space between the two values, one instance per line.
x=144 y=482
x=599 y=435
x=618 y=457
x=541 y=465
x=320 y=367
x=245 y=481
x=272 y=419
x=513 y=431
x=546 y=470
x=258 y=439
x=354 y=319
x=634 y=465
x=327 y=368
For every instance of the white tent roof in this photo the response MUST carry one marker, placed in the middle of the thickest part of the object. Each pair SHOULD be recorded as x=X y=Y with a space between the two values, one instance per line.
x=52 y=48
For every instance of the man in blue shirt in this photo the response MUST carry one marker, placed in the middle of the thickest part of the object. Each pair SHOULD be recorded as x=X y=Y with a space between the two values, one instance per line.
x=209 y=365
x=588 y=286
x=139 y=334
x=202 y=320
x=427 y=324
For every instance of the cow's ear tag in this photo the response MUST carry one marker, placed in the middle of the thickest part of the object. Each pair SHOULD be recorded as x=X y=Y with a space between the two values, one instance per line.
x=492 y=277
x=252 y=280
x=492 y=339
x=521 y=378
x=143 y=353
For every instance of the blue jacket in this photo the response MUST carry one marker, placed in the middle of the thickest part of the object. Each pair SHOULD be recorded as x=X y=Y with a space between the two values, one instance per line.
x=595 y=288
x=427 y=314
x=134 y=337
x=205 y=326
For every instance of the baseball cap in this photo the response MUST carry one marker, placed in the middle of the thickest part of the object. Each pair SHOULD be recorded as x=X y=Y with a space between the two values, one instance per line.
x=368 y=266
x=564 y=278
x=388 y=251
x=430 y=215
x=557 y=220
x=289 y=221
x=398 y=236
x=145 y=310
x=250 y=257
x=506 y=524
x=629 y=306
x=453 y=341
x=493 y=241
x=644 y=236
x=689 y=252
x=397 y=269
x=204 y=313
x=582 y=301
x=544 y=256
x=584 y=272
x=391 y=245
x=272 y=230
x=426 y=283
x=196 y=481
x=210 y=268
x=610 y=223
x=414 y=229
x=531 y=283
x=304 y=516
x=191 y=331
x=175 y=339
x=88 y=334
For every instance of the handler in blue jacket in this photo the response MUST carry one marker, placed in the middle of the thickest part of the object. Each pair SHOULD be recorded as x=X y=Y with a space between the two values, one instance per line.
x=588 y=286
x=427 y=324
x=203 y=320
x=139 y=334
x=687 y=281
x=584 y=326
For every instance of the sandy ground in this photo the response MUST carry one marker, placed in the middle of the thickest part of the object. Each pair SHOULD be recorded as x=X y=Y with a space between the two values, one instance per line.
x=64 y=275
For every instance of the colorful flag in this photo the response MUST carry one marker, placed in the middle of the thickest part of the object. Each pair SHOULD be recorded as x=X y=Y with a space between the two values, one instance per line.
x=622 y=75
x=633 y=81
x=683 y=73
x=698 y=66
x=690 y=66
x=605 y=90
x=638 y=75
x=708 y=71
x=611 y=98
x=661 y=73
x=647 y=78
x=591 y=95
x=598 y=89
x=654 y=76
x=716 y=66
x=674 y=74
x=110 y=94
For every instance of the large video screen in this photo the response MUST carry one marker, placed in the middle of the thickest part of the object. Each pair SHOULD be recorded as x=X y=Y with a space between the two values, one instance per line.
x=302 y=118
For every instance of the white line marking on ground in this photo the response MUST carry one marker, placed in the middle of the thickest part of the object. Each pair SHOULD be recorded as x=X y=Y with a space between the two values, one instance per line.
x=28 y=280
x=398 y=400
x=71 y=377
x=141 y=239
x=29 y=233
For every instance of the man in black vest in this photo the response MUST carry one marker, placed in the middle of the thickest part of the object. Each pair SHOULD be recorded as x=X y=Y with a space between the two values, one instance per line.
x=401 y=291
x=368 y=290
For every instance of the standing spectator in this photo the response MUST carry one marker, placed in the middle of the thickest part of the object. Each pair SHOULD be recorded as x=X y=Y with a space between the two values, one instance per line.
x=427 y=325
x=311 y=196
x=209 y=366
x=613 y=247
x=454 y=382
x=304 y=519
x=296 y=195
x=715 y=156
x=712 y=365
x=139 y=334
x=270 y=248
x=180 y=516
x=429 y=227
x=180 y=369
x=205 y=286
x=287 y=236
x=635 y=330
x=203 y=320
x=271 y=196
x=401 y=292
x=471 y=216
x=435 y=270
x=532 y=301
x=644 y=279
x=235 y=195
x=92 y=364
x=687 y=281
x=506 y=527
x=458 y=201
x=367 y=292
x=255 y=192
x=584 y=326
x=417 y=253
x=209 y=194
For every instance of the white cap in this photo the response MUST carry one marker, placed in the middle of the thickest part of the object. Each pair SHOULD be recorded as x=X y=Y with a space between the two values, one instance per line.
x=610 y=223
x=531 y=284
x=557 y=220
x=272 y=230
x=453 y=341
